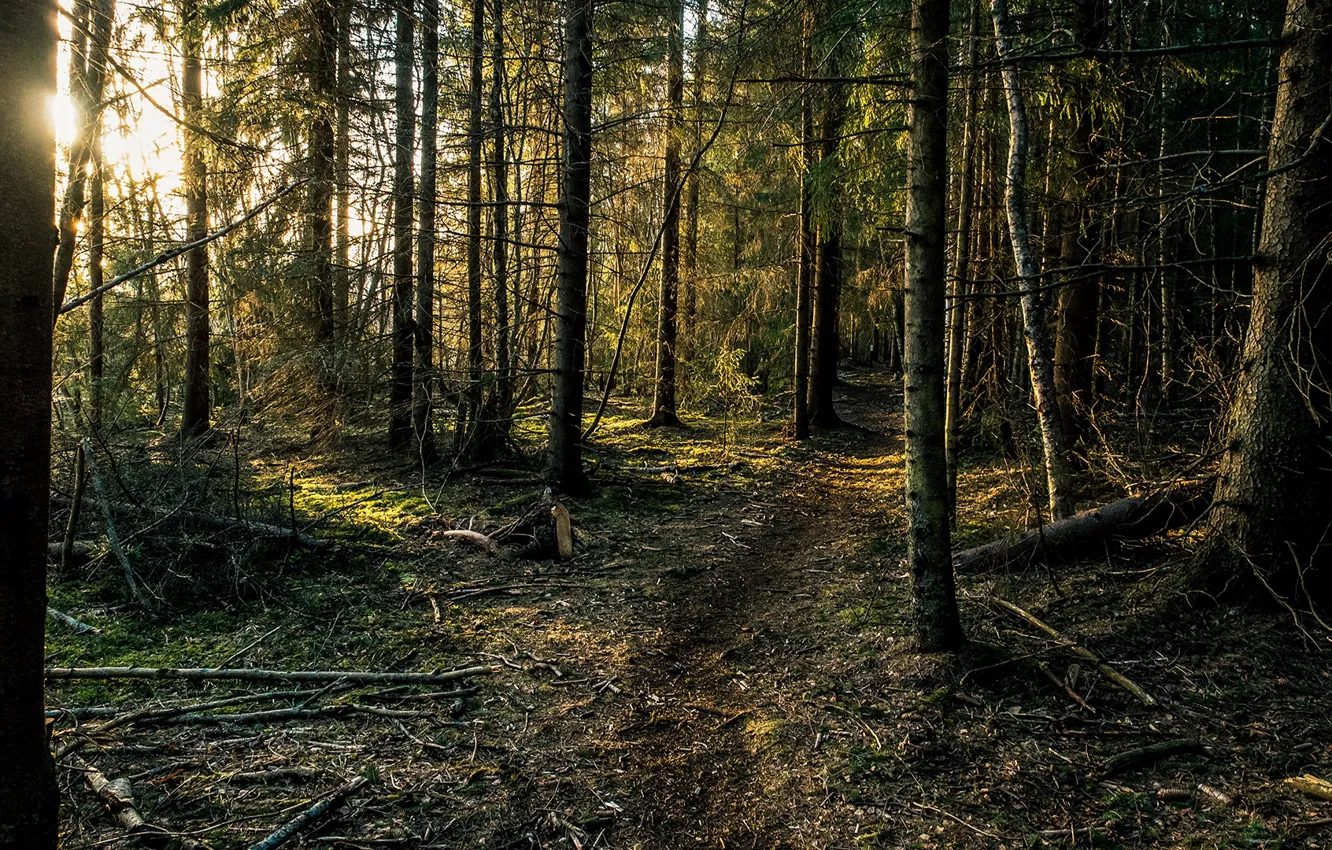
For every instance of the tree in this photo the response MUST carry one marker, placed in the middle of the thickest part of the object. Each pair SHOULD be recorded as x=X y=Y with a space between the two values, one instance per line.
x=565 y=465
x=1270 y=518
x=80 y=150
x=828 y=254
x=500 y=259
x=689 y=262
x=805 y=241
x=103 y=17
x=929 y=554
x=28 y=794
x=197 y=404
x=1057 y=475
x=323 y=35
x=424 y=375
x=663 y=402
x=400 y=380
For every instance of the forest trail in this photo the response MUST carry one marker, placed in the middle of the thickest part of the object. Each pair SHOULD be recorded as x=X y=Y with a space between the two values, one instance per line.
x=716 y=681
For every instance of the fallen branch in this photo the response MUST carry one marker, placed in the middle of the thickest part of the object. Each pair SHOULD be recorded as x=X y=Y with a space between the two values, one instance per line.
x=118 y=797
x=474 y=537
x=307 y=818
x=199 y=674
x=216 y=522
x=276 y=715
x=1129 y=518
x=1151 y=754
x=111 y=536
x=1106 y=670
x=1310 y=785
x=79 y=627
x=507 y=588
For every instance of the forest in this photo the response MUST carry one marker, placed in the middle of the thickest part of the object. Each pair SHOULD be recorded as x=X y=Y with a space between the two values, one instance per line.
x=665 y=423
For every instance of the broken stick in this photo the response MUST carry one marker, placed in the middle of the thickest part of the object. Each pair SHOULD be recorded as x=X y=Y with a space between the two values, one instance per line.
x=200 y=674
x=118 y=797
x=307 y=818
x=1106 y=670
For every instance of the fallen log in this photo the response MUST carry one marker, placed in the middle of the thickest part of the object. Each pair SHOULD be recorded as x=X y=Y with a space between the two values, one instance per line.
x=1129 y=518
x=216 y=522
x=198 y=674
x=118 y=797
x=1151 y=754
x=79 y=627
x=308 y=817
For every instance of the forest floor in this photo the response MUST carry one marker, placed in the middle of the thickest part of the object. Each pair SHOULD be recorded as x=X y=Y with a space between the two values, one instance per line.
x=724 y=664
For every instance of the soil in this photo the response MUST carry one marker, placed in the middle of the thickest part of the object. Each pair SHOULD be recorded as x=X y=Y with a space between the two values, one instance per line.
x=726 y=663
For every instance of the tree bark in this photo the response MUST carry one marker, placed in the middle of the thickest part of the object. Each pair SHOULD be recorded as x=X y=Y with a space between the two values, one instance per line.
x=475 y=139
x=80 y=151
x=828 y=273
x=565 y=464
x=698 y=75
x=323 y=90
x=28 y=39
x=197 y=405
x=423 y=375
x=342 y=178
x=664 y=413
x=937 y=625
x=957 y=309
x=400 y=381
x=500 y=178
x=1269 y=525
x=104 y=15
x=805 y=269
x=1058 y=479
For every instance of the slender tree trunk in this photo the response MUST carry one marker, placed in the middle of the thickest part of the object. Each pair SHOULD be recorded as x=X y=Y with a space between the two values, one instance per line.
x=828 y=273
x=957 y=309
x=423 y=425
x=197 y=406
x=1270 y=519
x=805 y=271
x=80 y=151
x=104 y=16
x=663 y=401
x=565 y=469
x=400 y=382
x=500 y=177
x=476 y=429
x=342 y=185
x=1079 y=298
x=28 y=795
x=1058 y=478
x=323 y=88
x=929 y=554
x=698 y=75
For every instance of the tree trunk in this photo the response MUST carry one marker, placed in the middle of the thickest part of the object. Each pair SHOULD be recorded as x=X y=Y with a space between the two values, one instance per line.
x=805 y=270
x=690 y=264
x=929 y=555
x=1058 y=479
x=342 y=178
x=476 y=432
x=957 y=309
x=197 y=405
x=828 y=275
x=423 y=375
x=500 y=178
x=400 y=381
x=28 y=37
x=80 y=151
x=104 y=16
x=663 y=402
x=1079 y=298
x=1269 y=526
x=323 y=88
x=565 y=466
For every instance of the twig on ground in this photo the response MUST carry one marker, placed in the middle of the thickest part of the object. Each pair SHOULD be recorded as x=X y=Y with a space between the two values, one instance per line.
x=307 y=818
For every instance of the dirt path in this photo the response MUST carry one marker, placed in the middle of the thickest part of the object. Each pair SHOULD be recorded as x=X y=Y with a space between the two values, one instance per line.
x=715 y=682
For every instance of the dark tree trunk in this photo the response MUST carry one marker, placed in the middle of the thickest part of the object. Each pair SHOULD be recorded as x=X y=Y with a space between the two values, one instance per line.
x=1270 y=520
x=938 y=627
x=28 y=794
x=805 y=246
x=323 y=89
x=957 y=308
x=500 y=177
x=423 y=375
x=565 y=468
x=828 y=275
x=690 y=263
x=342 y=177
x=400 y=381
x=476 y=432
x=104 y=15
x=80 y=151
x=663 y=401
x=197 y=405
